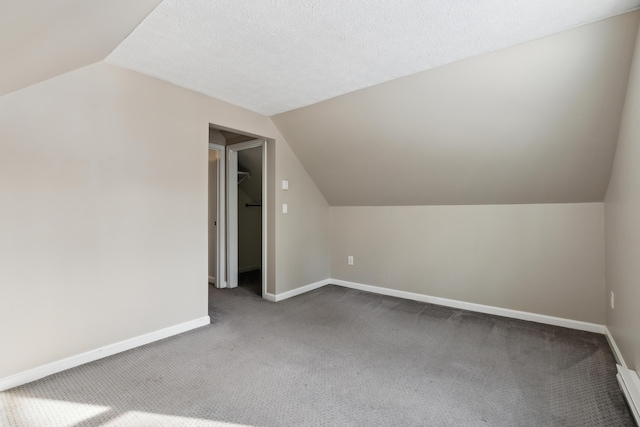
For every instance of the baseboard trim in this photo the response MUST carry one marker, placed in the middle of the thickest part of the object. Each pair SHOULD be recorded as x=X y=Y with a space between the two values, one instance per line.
x=301 y=290
x=212 y=279
x=99 y=353
x=630 y=385
x=627 y=379
x=269 y=297
x=480 y=308
x=614 y=348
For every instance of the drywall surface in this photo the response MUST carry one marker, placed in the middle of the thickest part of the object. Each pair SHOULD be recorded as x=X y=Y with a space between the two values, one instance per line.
x=40 y=39
x=302 y=256
x=622 y=227
x=249 y=233
x=274 y=56
x=103 y=194
x=534 y=123
x=546 y=259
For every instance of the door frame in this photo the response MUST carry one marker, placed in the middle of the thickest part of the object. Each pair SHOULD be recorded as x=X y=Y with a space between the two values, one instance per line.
x=232 y=211
x=221 y=272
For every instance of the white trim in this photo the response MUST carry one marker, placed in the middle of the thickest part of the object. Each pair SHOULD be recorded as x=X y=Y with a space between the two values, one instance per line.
x=301 y=290
x=232 y=207
x=630 y=385
x=498 y=311
x=480 y=308
x=265 y=210
x=99 y=353
x=232 y=217
x=614 y=347
x=627 y=378
x=221 y=250
x=212 y=280
x=269 y=296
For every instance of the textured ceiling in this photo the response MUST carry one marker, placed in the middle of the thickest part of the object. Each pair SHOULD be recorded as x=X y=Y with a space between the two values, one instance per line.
x=275 y=56
x=40 y=39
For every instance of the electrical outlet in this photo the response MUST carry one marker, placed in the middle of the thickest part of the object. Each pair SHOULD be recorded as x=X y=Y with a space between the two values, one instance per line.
x=285 y=208
x=350 y=260
x=612 y=299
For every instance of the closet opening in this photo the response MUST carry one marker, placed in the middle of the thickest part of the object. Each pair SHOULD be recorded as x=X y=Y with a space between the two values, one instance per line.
x=238 y=231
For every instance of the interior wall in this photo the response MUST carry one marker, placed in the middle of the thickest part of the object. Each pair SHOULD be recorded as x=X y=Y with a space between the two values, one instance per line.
x=303 y=233
x=104 y=206
x=43 y=39
x=534 y=123
x=546 y=259
x=622 y=227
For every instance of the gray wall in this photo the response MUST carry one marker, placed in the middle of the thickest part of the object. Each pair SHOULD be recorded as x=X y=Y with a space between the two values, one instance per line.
x=622 y=220
x=250 y=218
x=103 y=196
x=533 y=123
x=546 y=259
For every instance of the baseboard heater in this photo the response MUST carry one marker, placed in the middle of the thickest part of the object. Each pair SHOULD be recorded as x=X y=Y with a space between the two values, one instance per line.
x=630 y=385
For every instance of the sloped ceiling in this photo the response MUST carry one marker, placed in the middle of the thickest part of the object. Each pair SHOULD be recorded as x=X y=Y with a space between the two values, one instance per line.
x=251 y=161
x=385 y=102
x=275 y=56
x=534 y=123
x=40 y=39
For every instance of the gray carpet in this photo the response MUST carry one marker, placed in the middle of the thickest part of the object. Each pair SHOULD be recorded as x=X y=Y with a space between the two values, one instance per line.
x=338 y=357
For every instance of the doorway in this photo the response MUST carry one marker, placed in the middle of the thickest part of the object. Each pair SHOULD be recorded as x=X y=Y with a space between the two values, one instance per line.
x=237 y=219
x=246 y=217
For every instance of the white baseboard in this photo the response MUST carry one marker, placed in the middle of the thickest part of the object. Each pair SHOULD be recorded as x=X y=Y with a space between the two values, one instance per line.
x=498 y=311
x=269 y=297
x=627 y=378
x=630 y=385
x=212 y=279
x=614 y=347
x=300 y=290
x=99 y=353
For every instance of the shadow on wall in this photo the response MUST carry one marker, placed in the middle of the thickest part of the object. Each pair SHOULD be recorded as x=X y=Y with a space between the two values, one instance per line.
x=250 y=210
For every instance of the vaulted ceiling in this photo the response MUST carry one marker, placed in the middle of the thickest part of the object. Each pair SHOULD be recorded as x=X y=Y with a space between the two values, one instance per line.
x=384 y=102
x=40 y=39
x=533 y=123
x=275 y=56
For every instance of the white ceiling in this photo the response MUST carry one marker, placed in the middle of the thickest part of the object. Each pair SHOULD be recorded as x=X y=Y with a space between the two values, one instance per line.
x=275 y=56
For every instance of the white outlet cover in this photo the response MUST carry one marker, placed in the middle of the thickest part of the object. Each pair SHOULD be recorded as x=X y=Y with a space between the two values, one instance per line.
x=285 y=208
x=285 y=184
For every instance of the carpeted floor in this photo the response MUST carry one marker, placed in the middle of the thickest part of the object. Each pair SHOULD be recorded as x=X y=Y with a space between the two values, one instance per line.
x=251 y=281
x=338 y=357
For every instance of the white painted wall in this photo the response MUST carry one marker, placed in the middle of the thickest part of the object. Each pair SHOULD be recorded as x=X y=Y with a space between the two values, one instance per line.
x=546 y=259
x=103 y=194
x=622 y=220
